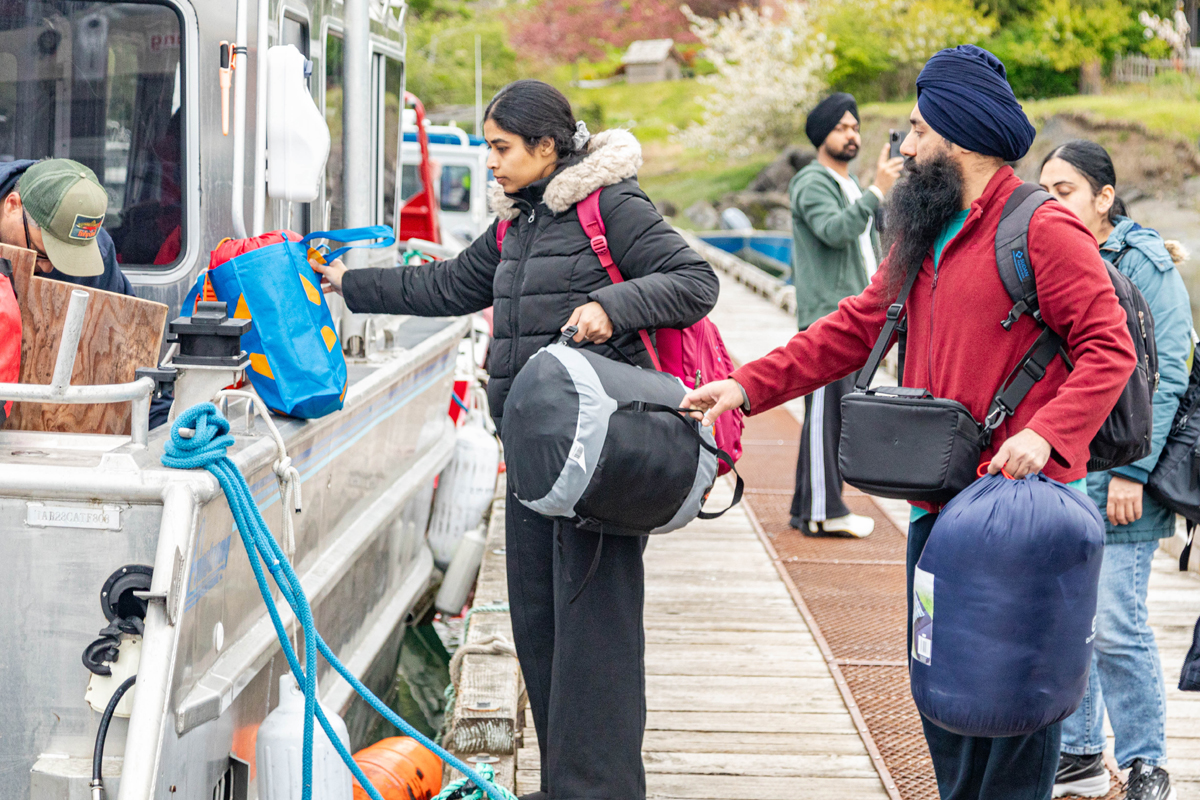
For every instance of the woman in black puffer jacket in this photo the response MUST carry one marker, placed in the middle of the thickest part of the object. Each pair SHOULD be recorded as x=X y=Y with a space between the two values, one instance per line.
x=582 y=660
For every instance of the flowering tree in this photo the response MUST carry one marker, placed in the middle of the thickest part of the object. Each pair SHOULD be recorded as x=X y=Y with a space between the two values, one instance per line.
x=570 y=30
x=769 y=73
x=1173 y=32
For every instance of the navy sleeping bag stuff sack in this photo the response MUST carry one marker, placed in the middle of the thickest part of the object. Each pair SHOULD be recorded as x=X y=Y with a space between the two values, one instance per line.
x=601 y=443
x=1013 y=566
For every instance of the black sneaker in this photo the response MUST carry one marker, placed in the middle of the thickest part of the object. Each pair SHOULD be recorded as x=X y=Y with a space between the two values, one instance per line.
x=1149 y=783
x=1085 y=776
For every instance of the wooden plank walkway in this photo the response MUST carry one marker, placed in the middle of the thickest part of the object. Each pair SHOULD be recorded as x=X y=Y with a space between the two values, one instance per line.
x=740 y=703
x=753 y=326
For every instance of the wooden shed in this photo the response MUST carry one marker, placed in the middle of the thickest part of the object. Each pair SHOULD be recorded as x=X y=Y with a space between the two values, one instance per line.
x=650 y=60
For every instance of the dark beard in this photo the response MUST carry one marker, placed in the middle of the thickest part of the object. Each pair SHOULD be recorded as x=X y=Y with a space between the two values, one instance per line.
x=925 y=198
x=846 y=154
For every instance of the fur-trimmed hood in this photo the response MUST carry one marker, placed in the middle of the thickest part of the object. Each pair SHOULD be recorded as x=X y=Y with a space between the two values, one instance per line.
x=613 y=156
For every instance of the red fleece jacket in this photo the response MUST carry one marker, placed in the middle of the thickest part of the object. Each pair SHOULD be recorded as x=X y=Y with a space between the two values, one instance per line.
x=956 y=346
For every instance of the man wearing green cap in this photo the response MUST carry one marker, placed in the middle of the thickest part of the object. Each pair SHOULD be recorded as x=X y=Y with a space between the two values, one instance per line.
x=56 y=207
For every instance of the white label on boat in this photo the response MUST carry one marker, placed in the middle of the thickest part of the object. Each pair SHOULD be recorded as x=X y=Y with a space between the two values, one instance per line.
x=45 y=515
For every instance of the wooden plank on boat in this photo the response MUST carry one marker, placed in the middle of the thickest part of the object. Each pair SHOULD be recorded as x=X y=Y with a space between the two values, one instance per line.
x=120 y=334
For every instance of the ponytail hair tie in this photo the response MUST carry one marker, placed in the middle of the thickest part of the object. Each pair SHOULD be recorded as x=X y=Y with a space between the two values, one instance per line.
x=581 y=137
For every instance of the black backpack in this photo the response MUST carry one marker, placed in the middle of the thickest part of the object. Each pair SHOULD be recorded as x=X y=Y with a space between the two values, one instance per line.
x=1175 y=481
x=1125 y=436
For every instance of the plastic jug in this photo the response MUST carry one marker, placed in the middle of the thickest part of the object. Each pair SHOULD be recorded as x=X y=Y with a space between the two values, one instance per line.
x=297 y=136
x=279 y=751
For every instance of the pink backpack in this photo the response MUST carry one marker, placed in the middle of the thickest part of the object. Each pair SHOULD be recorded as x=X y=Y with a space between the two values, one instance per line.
x=695 y=355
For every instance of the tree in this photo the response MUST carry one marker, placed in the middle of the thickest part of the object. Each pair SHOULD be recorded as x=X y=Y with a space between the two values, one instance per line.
x=566 y=31
x=441 y=58
x=769 y=73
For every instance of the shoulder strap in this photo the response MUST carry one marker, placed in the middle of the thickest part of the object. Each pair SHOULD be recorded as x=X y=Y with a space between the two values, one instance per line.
x=885 y=336
x=1012 y=251
x=189 y=300
x=588 y=210
x=501 y=231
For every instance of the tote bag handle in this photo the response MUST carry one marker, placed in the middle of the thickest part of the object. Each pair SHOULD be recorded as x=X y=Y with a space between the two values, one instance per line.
x=383 y=233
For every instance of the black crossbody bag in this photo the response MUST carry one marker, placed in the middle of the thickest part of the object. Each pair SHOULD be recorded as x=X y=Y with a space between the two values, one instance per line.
x=904 y=443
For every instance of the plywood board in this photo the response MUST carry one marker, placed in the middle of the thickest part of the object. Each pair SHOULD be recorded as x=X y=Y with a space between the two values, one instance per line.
x=120 y=334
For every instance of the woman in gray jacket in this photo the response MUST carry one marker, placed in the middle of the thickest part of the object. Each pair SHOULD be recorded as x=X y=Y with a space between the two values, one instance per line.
x=1126 y=676
x=582 y=658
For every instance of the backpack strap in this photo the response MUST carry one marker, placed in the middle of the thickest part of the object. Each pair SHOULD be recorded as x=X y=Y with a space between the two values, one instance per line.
x=1012 y=251
x=593 y=225
x=501 y=231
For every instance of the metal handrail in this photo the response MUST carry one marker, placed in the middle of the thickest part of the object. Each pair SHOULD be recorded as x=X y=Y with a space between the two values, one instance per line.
x=59 y=390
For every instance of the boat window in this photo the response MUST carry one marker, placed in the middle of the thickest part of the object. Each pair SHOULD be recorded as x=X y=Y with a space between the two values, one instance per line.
x=333 y=118
x=101 y=83
x=456 y=189
x=393 y=88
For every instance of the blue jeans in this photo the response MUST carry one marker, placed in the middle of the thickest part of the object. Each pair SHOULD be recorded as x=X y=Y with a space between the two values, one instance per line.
x=1126 y=676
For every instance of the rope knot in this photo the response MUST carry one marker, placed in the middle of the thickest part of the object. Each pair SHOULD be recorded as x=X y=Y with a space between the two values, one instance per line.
x=207 y=444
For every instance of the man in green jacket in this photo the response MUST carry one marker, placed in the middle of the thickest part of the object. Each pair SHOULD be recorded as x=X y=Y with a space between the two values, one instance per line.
x=836 y=253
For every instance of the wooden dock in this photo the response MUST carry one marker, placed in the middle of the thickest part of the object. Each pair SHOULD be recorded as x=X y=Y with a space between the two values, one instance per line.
x=744 y=700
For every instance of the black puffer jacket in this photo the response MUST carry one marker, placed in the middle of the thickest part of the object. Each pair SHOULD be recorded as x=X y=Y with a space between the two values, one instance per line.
x=548 y=268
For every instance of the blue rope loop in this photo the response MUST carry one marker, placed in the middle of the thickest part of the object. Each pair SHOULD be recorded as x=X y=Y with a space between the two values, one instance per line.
x=206 y=449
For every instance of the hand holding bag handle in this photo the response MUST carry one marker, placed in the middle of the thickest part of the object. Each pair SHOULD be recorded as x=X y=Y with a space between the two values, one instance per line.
x=386 y=237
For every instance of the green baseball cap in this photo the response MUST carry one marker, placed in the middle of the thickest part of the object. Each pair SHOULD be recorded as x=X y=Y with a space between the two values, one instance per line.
x=68 y=203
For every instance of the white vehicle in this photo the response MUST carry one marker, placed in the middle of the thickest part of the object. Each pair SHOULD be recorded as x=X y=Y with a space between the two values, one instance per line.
x=460 y=177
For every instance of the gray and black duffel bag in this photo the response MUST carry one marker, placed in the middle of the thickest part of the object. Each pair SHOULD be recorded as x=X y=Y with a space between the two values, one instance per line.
x=606 y=445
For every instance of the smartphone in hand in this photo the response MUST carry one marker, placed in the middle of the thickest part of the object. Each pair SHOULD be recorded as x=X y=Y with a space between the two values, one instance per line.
x=894 y=139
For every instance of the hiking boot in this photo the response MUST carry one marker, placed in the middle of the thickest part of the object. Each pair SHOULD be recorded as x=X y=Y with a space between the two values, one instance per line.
x=853 y=525
x=1148 y=783
x=1085 y=776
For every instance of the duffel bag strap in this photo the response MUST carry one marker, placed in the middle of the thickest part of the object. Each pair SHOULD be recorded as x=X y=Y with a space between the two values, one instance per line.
x=383 y=233
x=885 y=336
x=1187 y=546
x=682 y=415
x=1029 y=371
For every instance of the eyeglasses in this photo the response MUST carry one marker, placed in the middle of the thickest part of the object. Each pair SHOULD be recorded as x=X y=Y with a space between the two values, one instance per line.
x=43 y=260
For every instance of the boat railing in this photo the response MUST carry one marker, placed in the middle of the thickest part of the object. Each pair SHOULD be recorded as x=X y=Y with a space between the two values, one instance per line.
x=60 y=390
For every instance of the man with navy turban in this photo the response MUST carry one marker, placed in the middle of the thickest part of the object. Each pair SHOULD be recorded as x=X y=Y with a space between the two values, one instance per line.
x=943 y=216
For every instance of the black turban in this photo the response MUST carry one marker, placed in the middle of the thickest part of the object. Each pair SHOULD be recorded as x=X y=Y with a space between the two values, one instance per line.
x=826 y=116
x=963 y=94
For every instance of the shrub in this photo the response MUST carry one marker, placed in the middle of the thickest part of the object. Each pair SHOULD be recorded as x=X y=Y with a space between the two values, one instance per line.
x=880 y=45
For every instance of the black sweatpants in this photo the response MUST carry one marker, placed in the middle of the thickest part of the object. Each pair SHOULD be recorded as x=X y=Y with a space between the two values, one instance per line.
x=583 y=661
x=975 y=767
x=818 y=494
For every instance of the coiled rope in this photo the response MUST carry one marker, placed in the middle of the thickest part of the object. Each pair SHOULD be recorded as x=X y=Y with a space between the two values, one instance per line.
x=199 y=440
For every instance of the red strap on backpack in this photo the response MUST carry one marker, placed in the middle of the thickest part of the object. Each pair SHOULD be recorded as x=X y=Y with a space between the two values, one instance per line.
x=593 y=225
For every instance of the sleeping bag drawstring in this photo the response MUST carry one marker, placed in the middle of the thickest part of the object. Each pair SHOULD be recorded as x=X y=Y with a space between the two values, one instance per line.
x=591 y=573
x=199 y=439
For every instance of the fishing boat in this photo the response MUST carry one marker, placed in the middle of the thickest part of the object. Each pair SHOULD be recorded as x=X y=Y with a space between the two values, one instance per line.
x=167 y=101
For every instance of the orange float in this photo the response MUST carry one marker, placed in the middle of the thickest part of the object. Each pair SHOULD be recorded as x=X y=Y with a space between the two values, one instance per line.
x=400 y=769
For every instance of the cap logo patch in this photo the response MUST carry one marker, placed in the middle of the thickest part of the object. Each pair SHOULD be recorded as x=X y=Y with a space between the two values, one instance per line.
x=85 y=227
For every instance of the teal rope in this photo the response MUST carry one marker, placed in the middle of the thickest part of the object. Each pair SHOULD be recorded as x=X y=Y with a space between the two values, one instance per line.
x=207 y=449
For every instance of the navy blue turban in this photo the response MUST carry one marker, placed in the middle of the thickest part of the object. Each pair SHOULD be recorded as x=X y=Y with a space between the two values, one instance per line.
x=963 y=94
x=828 y=115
